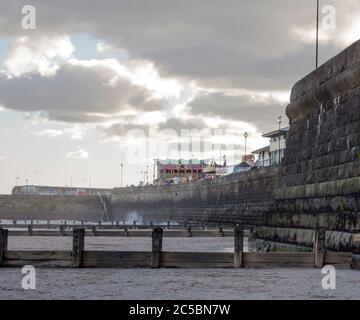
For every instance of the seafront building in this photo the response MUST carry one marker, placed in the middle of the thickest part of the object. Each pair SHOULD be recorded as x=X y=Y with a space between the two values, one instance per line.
x=274 y=152
x=179 y=171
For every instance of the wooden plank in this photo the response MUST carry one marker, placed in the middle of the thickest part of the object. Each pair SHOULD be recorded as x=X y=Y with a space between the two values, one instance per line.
x=227 y=257
x=197 y=259
x=39 y=264
x=139 y=233
x=38 y=255
x=156 y=247
x=78 y=247
x=116 y=259
x=175 y=233
x=334 y=258
x=106 y=233
x=238 y=246
x=3 y=245
x=228 y=233
x=278 y=259
x=205 y=234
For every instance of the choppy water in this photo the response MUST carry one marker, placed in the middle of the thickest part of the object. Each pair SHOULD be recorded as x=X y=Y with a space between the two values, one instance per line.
x=168 y=283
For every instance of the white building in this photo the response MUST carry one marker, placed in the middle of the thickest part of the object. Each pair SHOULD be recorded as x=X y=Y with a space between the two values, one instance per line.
x=263 y=157
x=272 y=154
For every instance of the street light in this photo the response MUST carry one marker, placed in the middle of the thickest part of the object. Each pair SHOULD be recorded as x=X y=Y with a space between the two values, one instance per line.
x=121 y=182
x=279 y=123
x=245 y=136
x=317 y=34
x=154 y=171
x=144 y=173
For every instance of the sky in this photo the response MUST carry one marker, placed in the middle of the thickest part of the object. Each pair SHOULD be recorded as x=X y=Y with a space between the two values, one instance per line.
x=100 y=83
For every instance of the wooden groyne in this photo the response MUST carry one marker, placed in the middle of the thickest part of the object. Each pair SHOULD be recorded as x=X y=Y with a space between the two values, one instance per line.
x=157 y=258
x=114 y=229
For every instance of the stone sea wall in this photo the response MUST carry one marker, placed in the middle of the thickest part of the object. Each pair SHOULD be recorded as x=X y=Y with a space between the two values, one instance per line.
x=320 y=173
x=50 y=207
x=243 y=197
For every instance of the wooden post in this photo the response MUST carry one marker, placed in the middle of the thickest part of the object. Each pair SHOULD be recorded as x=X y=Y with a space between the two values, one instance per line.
x=168 y=224
x=30 y=228
x=157 y=235
x=93 y=230
x=221 y=232
x=78 y=247
x=99 y=224
x=126 y=233
x=82 y=222
x=134 y=224
x=238 y=246
x=3 y=245
x=62 y=230
x=48 y=224
x=319 y=246
x=117 y=224
x=189 y=232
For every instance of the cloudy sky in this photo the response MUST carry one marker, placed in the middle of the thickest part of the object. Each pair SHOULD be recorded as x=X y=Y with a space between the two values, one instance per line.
x=77 y=92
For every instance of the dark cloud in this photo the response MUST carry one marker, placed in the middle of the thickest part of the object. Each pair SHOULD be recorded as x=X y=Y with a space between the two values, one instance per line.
x=76 y=93
x=240 y=44
x=261 y=112
x=179 y=124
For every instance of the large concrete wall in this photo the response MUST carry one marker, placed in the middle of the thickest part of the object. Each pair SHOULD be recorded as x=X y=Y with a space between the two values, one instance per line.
x=50 y=207
x=243 y=197
x=320 y=174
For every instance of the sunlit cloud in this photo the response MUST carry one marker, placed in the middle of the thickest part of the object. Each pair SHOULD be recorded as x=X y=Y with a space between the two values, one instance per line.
x=79 y=154
x=41 y=55
x=51 y=133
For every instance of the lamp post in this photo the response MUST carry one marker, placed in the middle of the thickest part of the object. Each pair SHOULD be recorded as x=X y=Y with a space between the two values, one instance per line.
x=147 y=174
x=121 y=173
x=144 y=173
x=154 y=171
x=245 y=136
x=279 y=123
x=317 y=33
